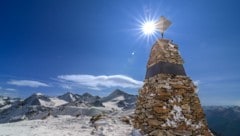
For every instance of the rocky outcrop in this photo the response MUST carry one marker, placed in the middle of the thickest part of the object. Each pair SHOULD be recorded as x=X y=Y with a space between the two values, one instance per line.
x=168 y=104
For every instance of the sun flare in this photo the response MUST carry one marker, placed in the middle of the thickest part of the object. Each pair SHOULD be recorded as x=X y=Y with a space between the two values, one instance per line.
x=149 y=28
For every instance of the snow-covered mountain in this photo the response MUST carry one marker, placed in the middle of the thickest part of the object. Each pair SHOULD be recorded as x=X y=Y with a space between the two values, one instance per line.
x=40 y=106
x=78 y=117
x=37 y=99
x=119 y=100
x=88 y=98
x=69 y=97
x=3 y=100
x=6 y=102
x=37 y=106
x=76 y=99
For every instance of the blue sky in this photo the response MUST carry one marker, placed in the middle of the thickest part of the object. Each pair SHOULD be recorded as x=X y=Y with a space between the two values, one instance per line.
x=55 y=46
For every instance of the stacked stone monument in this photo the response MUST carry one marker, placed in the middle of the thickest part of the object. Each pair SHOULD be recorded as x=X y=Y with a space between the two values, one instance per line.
x=168 y=104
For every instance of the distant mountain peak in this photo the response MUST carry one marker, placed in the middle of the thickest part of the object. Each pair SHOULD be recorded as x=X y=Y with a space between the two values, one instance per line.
x=37 y=95
x=68 y=93
x=117 y=93
x=36 y=99
x=68 y=96
x=121 y=99
x=87 y=95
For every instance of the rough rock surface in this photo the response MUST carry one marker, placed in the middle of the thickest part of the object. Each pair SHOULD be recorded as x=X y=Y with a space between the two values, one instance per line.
x=168 y=104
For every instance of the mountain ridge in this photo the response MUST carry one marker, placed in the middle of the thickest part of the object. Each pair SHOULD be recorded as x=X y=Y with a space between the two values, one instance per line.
x=40 y=106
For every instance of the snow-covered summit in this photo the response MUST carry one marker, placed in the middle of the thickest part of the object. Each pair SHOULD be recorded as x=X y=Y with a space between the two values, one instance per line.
x=37 y=99
x=120 y=99
x=118 y=93
x=39 y=94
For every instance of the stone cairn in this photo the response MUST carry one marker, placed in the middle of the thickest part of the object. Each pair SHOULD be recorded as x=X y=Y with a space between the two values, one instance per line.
x=168 y=104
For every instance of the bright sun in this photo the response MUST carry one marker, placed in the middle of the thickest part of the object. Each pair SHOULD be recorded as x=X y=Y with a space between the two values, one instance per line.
x=149 y=27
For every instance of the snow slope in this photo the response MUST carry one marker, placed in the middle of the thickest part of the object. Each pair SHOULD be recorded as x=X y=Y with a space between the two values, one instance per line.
x=71 y=115
x=2 y=102
x=69 y=126
x=121 y=99
x=58 y=102
x=62 y=126
x=113 y=104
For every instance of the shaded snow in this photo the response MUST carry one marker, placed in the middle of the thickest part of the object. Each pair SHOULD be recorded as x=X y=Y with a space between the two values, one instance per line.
x=57 y=101
x=46 y=103
x=2 y=102
x=5 y=107
x=53 y=102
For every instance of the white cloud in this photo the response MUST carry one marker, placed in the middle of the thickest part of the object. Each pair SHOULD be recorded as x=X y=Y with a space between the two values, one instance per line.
x=28 y=83
x=102 y=81
x=10 y=89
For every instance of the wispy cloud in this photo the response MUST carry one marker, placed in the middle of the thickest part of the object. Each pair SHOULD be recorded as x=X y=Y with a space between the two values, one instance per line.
x=100 y=82
x=28 y=83
x=10 y=89
x=66 y=86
